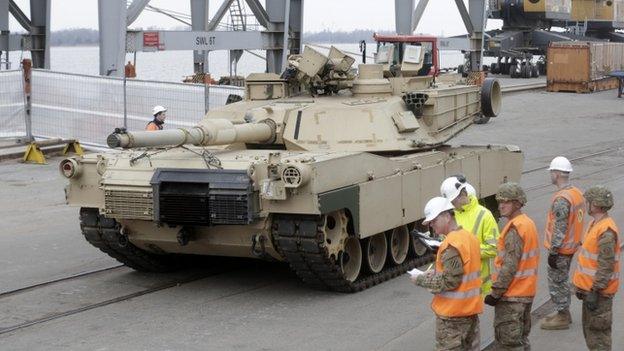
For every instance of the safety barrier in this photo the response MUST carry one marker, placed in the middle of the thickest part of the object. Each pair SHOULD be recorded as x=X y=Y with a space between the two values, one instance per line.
x=12 y=104
x=88 y=108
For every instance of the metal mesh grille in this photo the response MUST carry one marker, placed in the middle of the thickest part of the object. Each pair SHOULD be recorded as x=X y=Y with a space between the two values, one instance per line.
x=129 y=204
x=229 y=209
x=12 y=104
x=184 y=209
x=89 y=108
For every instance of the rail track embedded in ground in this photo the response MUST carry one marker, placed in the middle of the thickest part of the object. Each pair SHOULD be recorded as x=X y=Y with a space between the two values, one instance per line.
x=58 y=280
x=54 y=316
x=577 y=158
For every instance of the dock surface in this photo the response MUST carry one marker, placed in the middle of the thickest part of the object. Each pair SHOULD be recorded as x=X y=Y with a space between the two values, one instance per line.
x=251 y=305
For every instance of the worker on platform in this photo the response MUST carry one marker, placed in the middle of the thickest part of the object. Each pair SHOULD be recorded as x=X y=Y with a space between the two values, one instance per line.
x=564 y=226
x=477 y=219
x=159 y=118
x=455 y=282
x=515 y=277
x=597 y=274
x=130 y=70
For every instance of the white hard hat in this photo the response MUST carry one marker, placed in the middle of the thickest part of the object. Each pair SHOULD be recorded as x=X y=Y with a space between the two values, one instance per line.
x=452 y=186
x=471 y=190
x=560 y=163
x=436 y=206
x=158 y=109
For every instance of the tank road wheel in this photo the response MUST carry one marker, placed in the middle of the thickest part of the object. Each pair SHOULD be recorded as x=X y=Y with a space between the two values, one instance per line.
x=335 y=229
x=375 y=248
x=351 y=259
x=105 y=234
x=398 y=244
x=417 y=248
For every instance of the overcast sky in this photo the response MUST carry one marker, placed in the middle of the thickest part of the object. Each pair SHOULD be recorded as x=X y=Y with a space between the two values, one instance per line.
x=441 y=16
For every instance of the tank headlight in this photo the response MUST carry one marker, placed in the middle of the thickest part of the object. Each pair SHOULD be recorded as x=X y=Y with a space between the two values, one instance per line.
x=70 y=168
x=295 y=176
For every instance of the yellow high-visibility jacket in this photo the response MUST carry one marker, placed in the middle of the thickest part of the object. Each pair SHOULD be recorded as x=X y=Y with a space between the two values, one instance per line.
x=479 y=221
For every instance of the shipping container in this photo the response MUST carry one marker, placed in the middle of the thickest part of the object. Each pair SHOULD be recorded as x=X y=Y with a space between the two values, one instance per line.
x=583 y=66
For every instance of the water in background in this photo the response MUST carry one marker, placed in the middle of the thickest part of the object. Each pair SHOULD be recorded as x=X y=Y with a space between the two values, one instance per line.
x=173 y=66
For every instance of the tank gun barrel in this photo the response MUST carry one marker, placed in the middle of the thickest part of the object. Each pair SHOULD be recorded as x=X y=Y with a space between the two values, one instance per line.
x=207 y=132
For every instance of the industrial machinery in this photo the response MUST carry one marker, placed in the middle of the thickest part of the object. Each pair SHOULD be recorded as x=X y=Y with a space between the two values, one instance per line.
x=527 y=25
x=322 y=168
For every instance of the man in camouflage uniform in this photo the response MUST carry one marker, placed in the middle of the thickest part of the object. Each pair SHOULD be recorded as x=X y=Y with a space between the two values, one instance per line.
x=515 y=280
x=558 y=267
x=452 y=333
x=597 y=275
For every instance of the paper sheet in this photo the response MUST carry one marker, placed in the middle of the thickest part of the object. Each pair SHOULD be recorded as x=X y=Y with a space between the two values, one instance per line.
x=432 y=242
x=415 y=272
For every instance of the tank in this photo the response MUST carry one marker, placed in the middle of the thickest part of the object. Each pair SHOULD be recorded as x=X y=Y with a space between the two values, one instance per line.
x=325 y=168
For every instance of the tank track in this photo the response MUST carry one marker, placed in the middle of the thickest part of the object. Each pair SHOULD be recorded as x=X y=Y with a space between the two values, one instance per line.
x=300 y=240
x=104 y=233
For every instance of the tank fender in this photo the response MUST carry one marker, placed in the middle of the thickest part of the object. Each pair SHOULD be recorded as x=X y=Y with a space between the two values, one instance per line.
x=343 y=198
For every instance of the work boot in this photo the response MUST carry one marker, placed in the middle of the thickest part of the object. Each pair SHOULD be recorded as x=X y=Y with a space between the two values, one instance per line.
x=557 y=321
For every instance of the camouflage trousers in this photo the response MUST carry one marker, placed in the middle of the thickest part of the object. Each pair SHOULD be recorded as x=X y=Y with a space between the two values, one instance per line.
x=558 y=283
x=597 y=325
x=512 y=325
x=457 y=334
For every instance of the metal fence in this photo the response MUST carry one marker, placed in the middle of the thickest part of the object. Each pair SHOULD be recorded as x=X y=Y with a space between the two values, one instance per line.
x=12 y=104
x=88 y=108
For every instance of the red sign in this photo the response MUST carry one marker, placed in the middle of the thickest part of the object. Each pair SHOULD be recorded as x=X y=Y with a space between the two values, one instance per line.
x=151 y=39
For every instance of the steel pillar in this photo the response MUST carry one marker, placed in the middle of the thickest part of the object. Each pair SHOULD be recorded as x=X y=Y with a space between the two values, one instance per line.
x=112 y=19
x=296 y=26
x=285 y=22
x=477 y=11
x=199 y=21
x=40 y=33
x=418 y=13
x=135 y=9
x=403 y=10
x=276 y=10
x=4 y=33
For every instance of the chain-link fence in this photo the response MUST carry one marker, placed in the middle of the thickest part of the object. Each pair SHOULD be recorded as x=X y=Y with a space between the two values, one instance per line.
x=12 y=104
x=88 y=108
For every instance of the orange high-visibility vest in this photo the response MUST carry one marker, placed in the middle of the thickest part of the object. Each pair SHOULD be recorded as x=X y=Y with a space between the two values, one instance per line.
x=588 y=258
x=524 y=283
x=466 y=300
x=572 y=238
x=151 y=126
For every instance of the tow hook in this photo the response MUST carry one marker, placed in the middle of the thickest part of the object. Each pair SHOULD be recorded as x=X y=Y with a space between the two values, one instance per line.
x=258 y=240
x=184 y=236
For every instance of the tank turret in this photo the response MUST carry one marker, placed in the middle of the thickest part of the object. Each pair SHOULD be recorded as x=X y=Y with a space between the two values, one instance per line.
x=207 y=132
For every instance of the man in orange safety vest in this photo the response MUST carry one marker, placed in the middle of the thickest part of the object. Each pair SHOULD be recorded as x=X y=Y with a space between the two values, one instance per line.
x=455 y=282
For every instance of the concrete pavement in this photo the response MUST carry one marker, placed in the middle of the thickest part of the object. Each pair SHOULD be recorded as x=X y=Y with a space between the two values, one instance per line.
x=263 y=306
